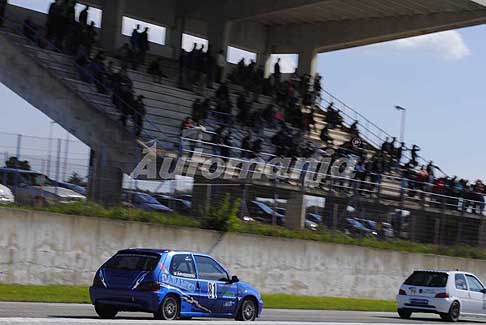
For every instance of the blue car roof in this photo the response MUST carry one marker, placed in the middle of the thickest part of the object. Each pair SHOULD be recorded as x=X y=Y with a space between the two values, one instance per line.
x=157 y=251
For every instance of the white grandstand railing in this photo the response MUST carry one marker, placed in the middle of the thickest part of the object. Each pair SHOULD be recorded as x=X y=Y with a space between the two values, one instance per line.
x=333 y=181
x=370 y=131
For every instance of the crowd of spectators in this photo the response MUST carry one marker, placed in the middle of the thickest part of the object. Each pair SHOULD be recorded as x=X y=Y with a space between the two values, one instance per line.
x=200 y=69
x=133 y=54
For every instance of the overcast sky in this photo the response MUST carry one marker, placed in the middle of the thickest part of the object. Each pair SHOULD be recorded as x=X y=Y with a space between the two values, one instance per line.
x=439 y=78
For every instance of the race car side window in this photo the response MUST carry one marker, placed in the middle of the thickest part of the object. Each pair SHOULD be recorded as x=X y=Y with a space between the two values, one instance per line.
x=474 y=284
x=461 y=282
x=182 y=265
x=210 y=270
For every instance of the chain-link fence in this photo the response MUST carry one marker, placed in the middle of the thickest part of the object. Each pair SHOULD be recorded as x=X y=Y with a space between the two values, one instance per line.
x=57 y=158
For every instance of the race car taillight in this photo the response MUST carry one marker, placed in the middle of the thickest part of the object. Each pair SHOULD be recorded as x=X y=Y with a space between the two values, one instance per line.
x=402 y=292
x=97 y=282
x=442 y=295
x=149 y=286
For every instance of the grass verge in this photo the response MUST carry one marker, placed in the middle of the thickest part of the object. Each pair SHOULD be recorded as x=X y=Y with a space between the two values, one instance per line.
x=328 y=303
x=61 y=294
x=72 y=294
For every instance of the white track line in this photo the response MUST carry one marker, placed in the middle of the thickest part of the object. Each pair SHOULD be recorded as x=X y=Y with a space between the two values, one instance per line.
x=66 y=321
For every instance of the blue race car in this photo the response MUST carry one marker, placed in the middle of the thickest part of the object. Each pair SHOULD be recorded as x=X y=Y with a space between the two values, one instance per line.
x=171 y=285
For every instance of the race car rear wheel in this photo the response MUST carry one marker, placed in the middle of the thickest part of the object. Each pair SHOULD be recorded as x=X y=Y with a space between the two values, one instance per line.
x=453 y=314
x=106 y=311
x=169 y=309
x=248 y=311
x=404 y=314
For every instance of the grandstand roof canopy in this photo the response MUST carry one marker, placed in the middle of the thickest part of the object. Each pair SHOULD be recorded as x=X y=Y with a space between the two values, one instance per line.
x=305 y=27
x=319 y=11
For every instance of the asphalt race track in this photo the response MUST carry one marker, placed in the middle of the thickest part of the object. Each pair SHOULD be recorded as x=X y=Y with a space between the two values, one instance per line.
x=36 y=313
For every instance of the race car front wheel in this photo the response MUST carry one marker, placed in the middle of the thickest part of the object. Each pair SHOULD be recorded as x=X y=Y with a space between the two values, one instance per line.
x=169 y=309
x=404 y=314
x=248 y=310
x=105 y=311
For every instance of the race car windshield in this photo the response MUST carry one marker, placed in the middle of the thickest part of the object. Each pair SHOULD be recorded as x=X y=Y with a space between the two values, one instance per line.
x=132 y=262
x=427 y=279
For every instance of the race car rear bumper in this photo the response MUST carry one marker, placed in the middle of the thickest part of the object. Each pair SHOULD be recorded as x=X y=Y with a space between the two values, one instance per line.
x=126 y=300
x=426 y=305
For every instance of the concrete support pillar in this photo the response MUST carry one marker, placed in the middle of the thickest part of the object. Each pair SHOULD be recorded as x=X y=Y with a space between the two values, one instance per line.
x=175 y=36
x=295 y=215
x=263 y=59
x=307 y=61
x=482 y=233
x=105 y=180
x=111 y=24
x=218 y=36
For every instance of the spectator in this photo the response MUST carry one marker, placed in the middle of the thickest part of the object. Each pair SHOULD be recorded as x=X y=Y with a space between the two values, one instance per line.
x=143 y=45
x=139 y=115
x=196 y=110
x=90 y=36
x=256 y=148
x=414 y=151
x=222 y=93
x=324 y=136
x=398 y=153
x=52 y=20
x=246 y=146
x=83 y=16
x=135 y=38
x=125 y=54
x=221 y=63
x=98 y=72
x=269 y=116
x=155 y=70
x=3 y=7
x=353 y=129
x=227 y=144
x=217 y=140
x=277 y=72
x=210 y=67
x=192 y=133
x=186 y=124
x=317 y=85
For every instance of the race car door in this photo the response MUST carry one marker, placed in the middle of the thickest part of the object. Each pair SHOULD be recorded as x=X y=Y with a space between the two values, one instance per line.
x=477 y=298
x=183 y=277
x=221 y=295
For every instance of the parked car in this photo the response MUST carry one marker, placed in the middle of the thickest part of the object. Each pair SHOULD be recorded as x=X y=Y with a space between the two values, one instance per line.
x=308 y=224
x=373 y=225
x=314 y=218
x=261 y=212
x=450 y=294
x=76 y=188
x=144 y=201
x=356 y=228
x=179 y=205
x=171 y=285
x=34 y=188
x=6 y=196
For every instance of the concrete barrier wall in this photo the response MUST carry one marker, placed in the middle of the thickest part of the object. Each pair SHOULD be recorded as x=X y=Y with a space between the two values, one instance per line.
x=42 y=248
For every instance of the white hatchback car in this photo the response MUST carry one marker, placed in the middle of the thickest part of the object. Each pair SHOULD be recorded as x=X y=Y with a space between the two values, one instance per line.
x=450 y=294
x=6 y=196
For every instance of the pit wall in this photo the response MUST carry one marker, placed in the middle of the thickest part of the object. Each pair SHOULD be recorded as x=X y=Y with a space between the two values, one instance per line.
x=41 y=248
